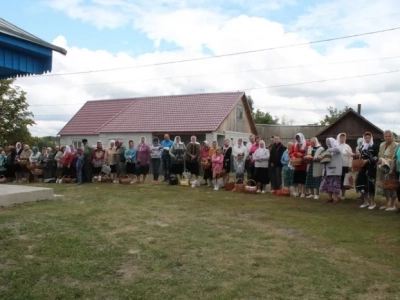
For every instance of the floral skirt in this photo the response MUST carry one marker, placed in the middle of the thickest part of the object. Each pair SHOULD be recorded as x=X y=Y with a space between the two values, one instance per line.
x=331 y=184
x=288 y=177
x=381 y=191
x=311 y=181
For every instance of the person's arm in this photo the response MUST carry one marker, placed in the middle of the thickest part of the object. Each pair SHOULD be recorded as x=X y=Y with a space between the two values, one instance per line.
x=30 y=158
x=171 y=151
x=267 y=155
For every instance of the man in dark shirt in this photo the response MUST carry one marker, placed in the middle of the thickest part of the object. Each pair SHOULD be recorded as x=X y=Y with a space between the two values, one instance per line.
x=275 y=165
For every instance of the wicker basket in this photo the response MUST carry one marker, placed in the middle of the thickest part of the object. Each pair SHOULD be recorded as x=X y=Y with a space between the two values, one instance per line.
x=38 y=172
x=3 y=179
x=248 y=189
x=125 y=180
x=296 y=161
x=308 y=159
x=205 y=164
x=230 y=185
x=23 y=162
x=357 y=165
x=31 y=167
x=390 y=184
x=285 y=192
x=67 y=179
x=239 y=187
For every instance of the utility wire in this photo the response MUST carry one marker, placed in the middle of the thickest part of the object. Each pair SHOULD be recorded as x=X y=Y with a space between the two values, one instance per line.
x=263 y=87
x=225 y=55
x=225 y=73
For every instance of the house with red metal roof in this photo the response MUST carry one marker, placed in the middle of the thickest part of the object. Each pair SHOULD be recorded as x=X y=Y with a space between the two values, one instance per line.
x=212 y=116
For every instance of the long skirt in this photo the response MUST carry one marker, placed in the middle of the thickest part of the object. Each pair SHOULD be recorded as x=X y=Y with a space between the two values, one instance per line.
x=331 y=184
x=365 y=182
x=288 y=177
x=311 y=181
x=193 y=167
x=261 y=175
x=177 y=169
x=299 y=176
x=130 y=169
x=207 y=174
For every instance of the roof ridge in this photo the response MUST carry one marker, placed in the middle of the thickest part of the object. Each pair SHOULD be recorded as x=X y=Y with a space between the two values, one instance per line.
x=121 y=111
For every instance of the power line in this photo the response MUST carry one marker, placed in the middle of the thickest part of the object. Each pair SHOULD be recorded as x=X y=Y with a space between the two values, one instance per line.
x=224 y=55
x=224 y=73
x=267 y=87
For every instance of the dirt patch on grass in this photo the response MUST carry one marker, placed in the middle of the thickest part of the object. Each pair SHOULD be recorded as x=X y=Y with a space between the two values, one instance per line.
x=157 y=223
x=128 y=272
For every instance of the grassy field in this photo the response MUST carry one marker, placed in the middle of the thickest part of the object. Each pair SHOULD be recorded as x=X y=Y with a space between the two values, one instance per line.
x=161 y=242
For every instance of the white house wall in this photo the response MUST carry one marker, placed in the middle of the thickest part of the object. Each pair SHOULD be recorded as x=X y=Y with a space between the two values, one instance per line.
x=106 y=138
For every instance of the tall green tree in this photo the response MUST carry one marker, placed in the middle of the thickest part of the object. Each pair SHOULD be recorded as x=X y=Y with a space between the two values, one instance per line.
x=15 y=116
x=333 y=115
x=260 y=117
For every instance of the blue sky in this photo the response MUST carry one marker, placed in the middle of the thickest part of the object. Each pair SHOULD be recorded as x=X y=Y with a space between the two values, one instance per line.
x=39 y=18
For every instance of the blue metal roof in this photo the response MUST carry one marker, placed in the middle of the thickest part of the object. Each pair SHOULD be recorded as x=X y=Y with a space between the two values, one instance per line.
x=23 y=54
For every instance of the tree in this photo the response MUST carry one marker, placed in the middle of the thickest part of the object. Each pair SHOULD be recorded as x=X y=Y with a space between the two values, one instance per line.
x=286 y=121
x=333 y=115
x=260 y=117
x=14 y=114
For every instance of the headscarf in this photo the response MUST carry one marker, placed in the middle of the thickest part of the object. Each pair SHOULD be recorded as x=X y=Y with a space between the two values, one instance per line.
x=35 y=150
x=333 y=143
x=338 y=137
x=261 y=143
x=317 y=144
x=118 y=144
x=175 y=140
x=18 y=146
x=67 y=150
x=302 y=143
x=366 y=145
x=359 y=142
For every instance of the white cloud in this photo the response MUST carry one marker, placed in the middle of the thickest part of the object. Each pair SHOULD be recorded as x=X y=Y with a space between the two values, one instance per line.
x=191 y=28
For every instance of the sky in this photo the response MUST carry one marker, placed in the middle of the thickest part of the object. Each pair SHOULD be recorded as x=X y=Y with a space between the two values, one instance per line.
x=116 y=49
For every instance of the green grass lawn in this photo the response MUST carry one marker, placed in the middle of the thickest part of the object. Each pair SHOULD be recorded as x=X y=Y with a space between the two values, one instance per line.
x=107 y=241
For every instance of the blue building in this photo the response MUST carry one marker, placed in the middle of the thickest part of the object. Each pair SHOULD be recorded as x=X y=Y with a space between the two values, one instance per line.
x=23 y=54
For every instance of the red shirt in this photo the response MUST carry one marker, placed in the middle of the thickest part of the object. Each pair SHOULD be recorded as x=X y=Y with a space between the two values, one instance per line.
x=297 y=152
x=66 y=160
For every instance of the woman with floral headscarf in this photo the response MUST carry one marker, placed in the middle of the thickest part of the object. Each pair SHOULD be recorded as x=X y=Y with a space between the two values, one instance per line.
x=331 y=182
x=366 y=179
x=143 y=159
x=300 y=172
x=386 y=155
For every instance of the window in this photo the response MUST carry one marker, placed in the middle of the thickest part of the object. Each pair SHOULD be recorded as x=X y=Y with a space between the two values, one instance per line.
x=77 y=144
x=239 y=113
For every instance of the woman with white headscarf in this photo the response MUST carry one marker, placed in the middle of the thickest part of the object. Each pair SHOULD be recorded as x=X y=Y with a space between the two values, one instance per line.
x=261 y=175
x=366 y=179
x=66 y=161
x=387 y=152
x=177 y=153
x=331 y=182
x=347 y=156
x=300 y=172
x=314 y=169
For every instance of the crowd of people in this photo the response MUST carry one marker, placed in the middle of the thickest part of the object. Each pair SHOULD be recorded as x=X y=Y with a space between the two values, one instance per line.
x=304 y=167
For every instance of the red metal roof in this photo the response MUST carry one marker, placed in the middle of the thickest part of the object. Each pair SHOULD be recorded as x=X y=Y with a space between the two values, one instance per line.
x=182 y=113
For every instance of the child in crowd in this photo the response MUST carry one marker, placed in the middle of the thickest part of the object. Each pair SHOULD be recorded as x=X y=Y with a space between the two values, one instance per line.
x=217 y=162
x=79 y=165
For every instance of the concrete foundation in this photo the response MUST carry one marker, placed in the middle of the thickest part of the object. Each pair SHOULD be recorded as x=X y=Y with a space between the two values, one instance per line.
x=16 y=194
